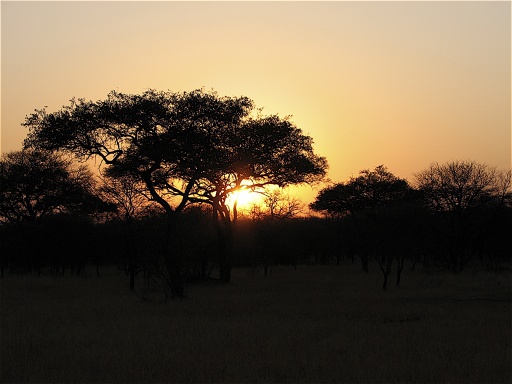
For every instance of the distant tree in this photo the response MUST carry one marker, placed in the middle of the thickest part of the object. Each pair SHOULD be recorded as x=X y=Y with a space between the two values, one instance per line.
x=370 y=190
x=37 y=183
x=277 y=205
x=362 y=200
x=466 y=196
x=126 y=193
x=40 y=190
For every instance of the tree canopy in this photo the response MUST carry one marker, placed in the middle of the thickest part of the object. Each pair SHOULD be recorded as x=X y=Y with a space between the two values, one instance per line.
x=190 y=147
x=461 y=186
x=370 y=190
x=193 y=144
x=37 y=183
x=469 y=198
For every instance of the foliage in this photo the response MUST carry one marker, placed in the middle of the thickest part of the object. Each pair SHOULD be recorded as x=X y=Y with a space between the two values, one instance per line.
x=371 y=201
x=54 y=245
x=461 y=186
x=276 y=205
x=196 y=147
x=37 y=183
x=370 y=190
x=467 y=199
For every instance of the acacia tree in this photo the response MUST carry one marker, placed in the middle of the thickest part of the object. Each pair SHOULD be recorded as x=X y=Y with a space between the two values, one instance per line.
x=460 y=193
x=259 y=152
x=36 y=183
x=149 y=136
x=367 y=200
x=194 y=147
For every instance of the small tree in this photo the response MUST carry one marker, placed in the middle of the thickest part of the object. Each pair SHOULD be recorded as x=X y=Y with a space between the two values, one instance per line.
x=126 y=193
x=276 y=205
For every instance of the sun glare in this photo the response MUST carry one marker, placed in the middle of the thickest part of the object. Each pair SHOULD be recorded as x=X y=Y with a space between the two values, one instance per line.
x=244 y=198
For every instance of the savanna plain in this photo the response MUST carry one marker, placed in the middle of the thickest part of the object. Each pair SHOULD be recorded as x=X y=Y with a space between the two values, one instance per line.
x=309 y=324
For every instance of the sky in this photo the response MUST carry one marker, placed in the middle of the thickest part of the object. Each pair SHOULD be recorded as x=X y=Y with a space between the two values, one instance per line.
x=402 y=84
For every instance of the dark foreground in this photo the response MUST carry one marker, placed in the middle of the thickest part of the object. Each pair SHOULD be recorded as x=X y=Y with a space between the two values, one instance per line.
x=313 y=324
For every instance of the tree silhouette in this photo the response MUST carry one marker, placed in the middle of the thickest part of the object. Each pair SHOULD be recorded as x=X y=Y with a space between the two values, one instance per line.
x=150 y=137
x=367 y=201
x=194 y=147
x=276 y=205
x=125 y=192
x=39 y=191
x=261 y=151
x=462 y=194
x=37 y=183
x=370 y=190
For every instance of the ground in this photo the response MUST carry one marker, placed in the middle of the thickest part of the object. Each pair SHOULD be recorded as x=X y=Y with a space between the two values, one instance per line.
x=312 y=324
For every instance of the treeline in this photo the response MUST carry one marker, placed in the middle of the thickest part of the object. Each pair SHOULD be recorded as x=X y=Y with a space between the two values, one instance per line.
x=455 y=213
x=169 y=163
x=67 y=243
x=375 y=217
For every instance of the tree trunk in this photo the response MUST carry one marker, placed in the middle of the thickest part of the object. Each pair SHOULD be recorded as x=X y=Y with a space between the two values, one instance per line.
x=385 y=284
x=175 y=284
x=170 y=250
x=385 y=263
x=171 y=260
x=204 y=265
x=364 y=261
x=399 y=269
x=225 y=229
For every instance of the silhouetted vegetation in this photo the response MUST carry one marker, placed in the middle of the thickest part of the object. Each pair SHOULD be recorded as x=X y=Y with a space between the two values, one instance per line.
x=158 y=212
x=456 y=212
x=35 y=184
x=379 y=208
x=194 y=147
x=469 y=201
x=171 y=160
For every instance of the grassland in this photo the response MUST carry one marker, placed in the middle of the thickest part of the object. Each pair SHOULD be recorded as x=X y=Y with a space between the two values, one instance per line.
x=313 y=324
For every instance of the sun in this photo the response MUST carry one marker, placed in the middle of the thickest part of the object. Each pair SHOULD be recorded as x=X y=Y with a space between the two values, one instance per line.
x=244 y=198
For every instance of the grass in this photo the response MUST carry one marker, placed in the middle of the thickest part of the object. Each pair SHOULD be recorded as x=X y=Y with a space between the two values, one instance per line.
x=313 y=324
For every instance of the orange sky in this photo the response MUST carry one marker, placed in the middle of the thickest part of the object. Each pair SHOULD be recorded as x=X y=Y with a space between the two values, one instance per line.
x=396 y=83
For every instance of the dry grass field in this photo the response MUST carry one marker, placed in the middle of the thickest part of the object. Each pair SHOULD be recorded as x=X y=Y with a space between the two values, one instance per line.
x=313 y=324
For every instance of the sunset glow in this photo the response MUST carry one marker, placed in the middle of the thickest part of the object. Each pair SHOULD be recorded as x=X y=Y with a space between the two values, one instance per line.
x=402 y=84
x=244 y=199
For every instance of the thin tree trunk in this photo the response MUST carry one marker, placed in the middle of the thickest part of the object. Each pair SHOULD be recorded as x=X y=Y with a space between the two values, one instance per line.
x=224 y=227
x=169 y=253
x=364 y=261
x=385 y=263
x=400 y=268
x=170 y=260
